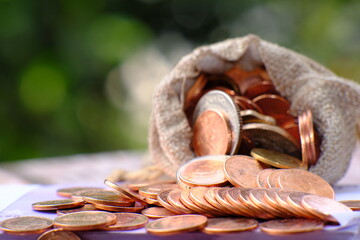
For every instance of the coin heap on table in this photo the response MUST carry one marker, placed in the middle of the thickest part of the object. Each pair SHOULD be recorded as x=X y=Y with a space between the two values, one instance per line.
x=250 y=173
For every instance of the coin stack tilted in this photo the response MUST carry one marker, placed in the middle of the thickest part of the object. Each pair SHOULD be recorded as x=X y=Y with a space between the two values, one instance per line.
x=250 y=173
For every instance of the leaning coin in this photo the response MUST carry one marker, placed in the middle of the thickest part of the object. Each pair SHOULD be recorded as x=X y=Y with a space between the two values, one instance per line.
x=26 y=225
x=177 y=224
x=229 y=225
x=275 y=159
x=173 y=199
x=57 y=204
x=86 y=207
x=241 y=170
x=127 y=221
x=353 y=204
x=138 y=207
x=252 y=116
x=197 y=195
x=291 y=225
x=261 y=178
x=157 y=212
x=203 y=171
x=88 y=220
x=107 y=197
x=58 y=234
x=218 y=100
x=162 y=199
x=68 y=192
x=125 y=191
x=151 y=191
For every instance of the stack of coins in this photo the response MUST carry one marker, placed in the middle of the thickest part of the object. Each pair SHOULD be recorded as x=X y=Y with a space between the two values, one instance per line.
x=234 y=112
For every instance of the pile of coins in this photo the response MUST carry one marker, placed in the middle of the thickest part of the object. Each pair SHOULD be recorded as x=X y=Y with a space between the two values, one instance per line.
x=234 y=112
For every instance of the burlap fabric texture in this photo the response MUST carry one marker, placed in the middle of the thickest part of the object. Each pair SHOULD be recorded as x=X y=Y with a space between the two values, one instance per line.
x=334 y=101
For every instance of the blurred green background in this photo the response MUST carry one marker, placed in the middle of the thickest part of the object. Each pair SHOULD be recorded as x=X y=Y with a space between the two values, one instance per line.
x=77 y=75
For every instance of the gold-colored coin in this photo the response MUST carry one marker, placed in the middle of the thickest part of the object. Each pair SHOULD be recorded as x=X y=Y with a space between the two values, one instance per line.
x=262 y=177
x=173 y=199
x=241 y=170
x=127 y=221
x=162 y=199
x=197 y=195
x=138 y=207
x=26 y=225
x=86 y=207
x=82 y=221
x=157 y=212
x=68 y=192
x=56 y=204
x=210 y=197
x=324 y=207
x=291 y=225
x=352 y=204
x=275 y=159
x=203 y=171
x=257 y=196
x=177 y=224
x=58 y=234
x=107 y=197
x=125 y=191
x=304 y=181
x=229 y=225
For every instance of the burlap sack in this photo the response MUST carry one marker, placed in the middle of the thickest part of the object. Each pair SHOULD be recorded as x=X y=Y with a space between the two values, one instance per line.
x=334 y=101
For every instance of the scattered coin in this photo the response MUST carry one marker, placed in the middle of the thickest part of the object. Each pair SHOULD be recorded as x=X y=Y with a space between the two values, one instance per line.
x=82 y=221
x=127 y=221
x=291 y=225
x=229 y=225
x=68 y=192
x=124 y=191
x=352 y=204
x=177 y=224
x=58 y=234
x=138 y=207
x=26 y=225
x=86 y=207
x=107 y=197
x=56 y=204
x=275 y=159
x=157 y=212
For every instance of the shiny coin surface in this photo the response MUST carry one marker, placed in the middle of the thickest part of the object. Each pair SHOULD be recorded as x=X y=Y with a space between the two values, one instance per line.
x=252 y=116
x=177 y=224
x=242 y=170
x=257 y=196
x=272 y=105
x=127 y=221
x=157 y=212
x=260 y=88
x=197 y=195
x=352 y=204
x=88 y=220
x=162 y=199
x=26 y=225
x=273 y=178
x=275 y=159
x=228 y=225
x=151 y=191
x=211 y=134
x=294 y=200
x=138 y=207
x=136 y=185
x=68 y=192
x=307 y=138
x=272 y=137
x=220 y=196
x=185 y=199
x=125 y=191
x=203 y=171
x=210 y=197
x=107 y=197
x=245 y=103
x=56 y=204
x=291 y=225
x=173 y=199
x=304 y=181
x=324 y=208
x=244 y=198
x=58 y=234
x=220 y=101
x=262 y=177
x=86 y=207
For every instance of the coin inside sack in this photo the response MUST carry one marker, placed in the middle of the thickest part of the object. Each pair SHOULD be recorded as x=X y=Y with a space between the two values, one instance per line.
x=276 y=159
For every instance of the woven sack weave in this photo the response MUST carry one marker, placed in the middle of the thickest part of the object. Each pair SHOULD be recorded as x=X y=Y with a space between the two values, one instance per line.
x=334 y=101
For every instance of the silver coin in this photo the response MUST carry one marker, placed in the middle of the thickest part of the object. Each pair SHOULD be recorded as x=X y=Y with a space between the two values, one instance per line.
x=272 y=138
x=220 y=101
x=252 y=116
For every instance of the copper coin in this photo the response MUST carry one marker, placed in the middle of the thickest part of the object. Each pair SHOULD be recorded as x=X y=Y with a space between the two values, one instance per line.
x=136 y=185
x=226 y=90
x=232 y=196
x=252 y=116
x=275 y=159
x=270 y=198
x=26 y=225
x=260 y=88
x=58 y=234
x=138 y=207
x=125 y=191
x=127 y=221
x=257 y=196
x=272 y=104
x=203 y=171
x=210 y=197
x=162 y=198
x=244 y=103
x=219 y=101
x=185 y=199
x=229 y=225
x=241 y=170
x=220 y=196
x=197 y=195
x=352 y=204
x=246 y=145
x=86 y=207
x=248 y=82
x=294 y=200
x=88 y=220
x=244 y=198
x=324 y=208
x=292 y=128
x=157 y=212
x=272 y=137
x=211 y=134
x=193 y=95
x=68 y=192
x=177 y=224
x=262 y=177
x=281 y=199
x=173 y=199
x=273 y=178
x=56 y=204
x=152 y=201
x=291 y=225
x=307 y=137
x=304 y=181
x=107 y=197
x=151 y=191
